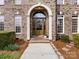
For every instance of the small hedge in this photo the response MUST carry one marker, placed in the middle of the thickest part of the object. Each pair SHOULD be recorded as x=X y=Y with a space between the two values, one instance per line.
x=7 y=38
x=11 y=47
x=63 y=37
x=58 y=36
x=76 y=40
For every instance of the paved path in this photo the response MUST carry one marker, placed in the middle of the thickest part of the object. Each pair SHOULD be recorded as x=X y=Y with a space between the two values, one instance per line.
x=39 y=51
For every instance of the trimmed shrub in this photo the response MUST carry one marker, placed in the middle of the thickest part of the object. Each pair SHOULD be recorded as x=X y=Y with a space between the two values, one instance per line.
x=64 y=38
x=7 y=38
x=76 y=40
x=58 y=36
x=11 y=47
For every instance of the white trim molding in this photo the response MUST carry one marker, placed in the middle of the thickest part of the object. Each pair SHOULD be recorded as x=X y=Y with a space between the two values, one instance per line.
x=63 y=1
x=50 y=20
x=63 y=24
x=39 y=4
x=77 y=2
x=2 y=2
x=50 y=27
x=78 y=25
x=28 y=27
x=20 y=23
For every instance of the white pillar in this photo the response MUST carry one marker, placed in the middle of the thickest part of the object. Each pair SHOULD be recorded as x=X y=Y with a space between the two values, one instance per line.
x=78 y=25
x=50 y=27
x=78 y=2
x=28 y=27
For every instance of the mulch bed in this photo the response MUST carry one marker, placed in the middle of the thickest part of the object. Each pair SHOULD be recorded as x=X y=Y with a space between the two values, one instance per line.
x=73 y=52
x=23 y=45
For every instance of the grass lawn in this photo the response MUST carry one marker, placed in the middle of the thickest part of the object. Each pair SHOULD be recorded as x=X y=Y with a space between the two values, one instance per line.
x=14 y=54
x=9 y=55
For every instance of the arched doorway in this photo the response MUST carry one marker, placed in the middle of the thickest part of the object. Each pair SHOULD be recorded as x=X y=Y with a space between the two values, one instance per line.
x=39 y=22
x=34 y=10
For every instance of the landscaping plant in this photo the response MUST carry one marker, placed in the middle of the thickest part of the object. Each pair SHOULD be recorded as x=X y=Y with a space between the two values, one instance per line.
x=64 y=38
x=76 y=40
x=7 y=38
x=11 y=47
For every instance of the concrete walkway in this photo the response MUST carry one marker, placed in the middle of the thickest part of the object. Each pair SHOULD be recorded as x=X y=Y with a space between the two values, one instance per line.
x=39 y=51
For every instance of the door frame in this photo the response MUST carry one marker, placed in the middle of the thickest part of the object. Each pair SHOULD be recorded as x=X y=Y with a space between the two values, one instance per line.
x=49 y=20
x=42 y=30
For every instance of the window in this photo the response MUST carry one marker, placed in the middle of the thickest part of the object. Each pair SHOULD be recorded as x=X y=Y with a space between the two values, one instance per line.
x=38 y=20
x=1 y=2
x=60 y=2
x=74 y=24
x=75 y=1
x=18 y=20
x=1 y=22
x=60 y=24
x=17 y=2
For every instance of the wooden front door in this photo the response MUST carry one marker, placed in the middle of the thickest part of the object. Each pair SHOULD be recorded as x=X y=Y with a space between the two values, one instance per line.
x=38 y=26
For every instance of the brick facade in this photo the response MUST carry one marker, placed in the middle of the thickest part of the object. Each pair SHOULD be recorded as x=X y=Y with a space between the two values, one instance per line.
x=10 y=9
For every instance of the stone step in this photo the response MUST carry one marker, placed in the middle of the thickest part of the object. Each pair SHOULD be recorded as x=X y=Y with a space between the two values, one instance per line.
x=39 y=41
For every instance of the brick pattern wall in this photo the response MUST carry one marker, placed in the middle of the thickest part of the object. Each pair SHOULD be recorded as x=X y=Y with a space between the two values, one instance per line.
x=9 y=10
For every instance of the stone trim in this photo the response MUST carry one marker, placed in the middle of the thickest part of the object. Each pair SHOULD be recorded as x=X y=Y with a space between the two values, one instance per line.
x=50 y=20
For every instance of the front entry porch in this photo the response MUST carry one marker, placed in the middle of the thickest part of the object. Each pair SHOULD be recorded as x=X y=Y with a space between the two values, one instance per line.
x=39 y=39
x=38 y=24
x=47 y=28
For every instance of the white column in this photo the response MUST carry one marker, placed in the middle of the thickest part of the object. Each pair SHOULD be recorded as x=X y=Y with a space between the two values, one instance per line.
x=50 y=27
x=28 y=27
x=78 y=25
x=63 y=25
x=77 y=1
x=63 y=1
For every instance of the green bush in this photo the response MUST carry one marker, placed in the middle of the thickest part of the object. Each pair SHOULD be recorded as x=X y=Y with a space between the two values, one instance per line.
x=76 y=40
x=58 y=36
x=7 y=38
x=11 y=47
x=64 y=38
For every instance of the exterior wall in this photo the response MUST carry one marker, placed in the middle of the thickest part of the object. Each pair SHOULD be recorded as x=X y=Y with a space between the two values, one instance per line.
x=68 y=9
x=50 y=17
x=9 y=10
